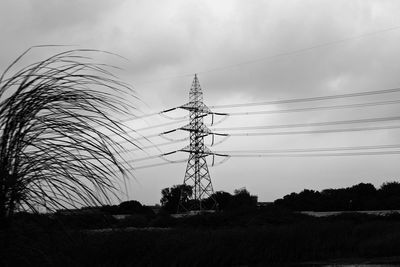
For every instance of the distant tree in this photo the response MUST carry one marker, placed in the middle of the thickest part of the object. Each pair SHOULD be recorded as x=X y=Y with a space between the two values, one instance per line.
x=128 y=207
x=134 y=207
x=242 y=199
x=172 y=195
x=389 y=195
x=239 y=200
x=363 y=196
x=363 y=189
x=223 y=199
x=390 y=189
x=305 y=200
x=241 y=191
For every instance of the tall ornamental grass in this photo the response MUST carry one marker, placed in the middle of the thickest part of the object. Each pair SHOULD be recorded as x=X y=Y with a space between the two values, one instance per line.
x=58 y=126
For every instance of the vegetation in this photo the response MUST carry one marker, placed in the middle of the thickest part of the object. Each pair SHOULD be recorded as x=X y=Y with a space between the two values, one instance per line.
x=358 y=197
x=251 y=238
x=241 y=199
x=171 y=196
x=55 y=127
x=240 y=234
x=127 y=207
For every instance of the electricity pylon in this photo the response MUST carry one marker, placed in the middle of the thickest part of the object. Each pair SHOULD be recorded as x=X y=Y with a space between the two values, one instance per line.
x=197 y=174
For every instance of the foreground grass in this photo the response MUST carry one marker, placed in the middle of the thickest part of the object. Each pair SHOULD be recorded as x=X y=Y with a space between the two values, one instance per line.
x=190 y=243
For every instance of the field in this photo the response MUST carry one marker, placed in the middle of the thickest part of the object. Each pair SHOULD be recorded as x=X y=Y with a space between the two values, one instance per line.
x=255 y=238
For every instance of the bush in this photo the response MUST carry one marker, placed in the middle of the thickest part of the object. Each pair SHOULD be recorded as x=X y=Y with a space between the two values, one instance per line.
x=163 y=220
x=136 y=220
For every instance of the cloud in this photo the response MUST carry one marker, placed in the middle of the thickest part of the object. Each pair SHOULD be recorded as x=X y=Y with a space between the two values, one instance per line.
x=167 y=41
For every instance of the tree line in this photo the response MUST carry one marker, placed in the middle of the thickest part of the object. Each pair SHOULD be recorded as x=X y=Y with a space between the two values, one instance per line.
x=241 y=198
x=363 y=196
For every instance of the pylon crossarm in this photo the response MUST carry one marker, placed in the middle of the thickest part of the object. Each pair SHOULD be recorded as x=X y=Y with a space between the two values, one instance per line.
x=197 y=153
x=196 y=106
x=167 y=132
x=203 y=131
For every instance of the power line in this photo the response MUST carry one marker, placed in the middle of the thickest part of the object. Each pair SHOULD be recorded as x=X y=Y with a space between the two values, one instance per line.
x=283 y=54
x=279 y=155
x=147 y=137
x=171 y=123
x=144 y=129
x=182 y=119
x=296 y=150
x=319 y=131
x=357 y=105
x=157 y=126
x=301 y=50
x=159 y=164
x=369 y=120
x=317 y=154
x=172 y=141
x=174 y=118
x=309 y=99
x=161 y=156
x=360 y=129
x=138 y=138
x=157 y=145
x=284 y=101
x=162 y=113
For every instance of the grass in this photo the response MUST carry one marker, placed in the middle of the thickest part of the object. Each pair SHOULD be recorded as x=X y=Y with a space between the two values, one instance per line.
x=187 y=244
x=57 y=117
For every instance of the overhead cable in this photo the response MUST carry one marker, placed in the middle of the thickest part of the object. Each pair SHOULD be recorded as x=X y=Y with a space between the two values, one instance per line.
x=298 y=51
x=174 y=118
x=153 y=114
x=158 y=125
x=274 y=56
x=357 y=105
x=309 y=99
x=319 y=131
x=316 y=154
x=297 y=150
x=158 y=164
x=161 y=156
x=227 y=135
x=311 y=124
x=157 y=145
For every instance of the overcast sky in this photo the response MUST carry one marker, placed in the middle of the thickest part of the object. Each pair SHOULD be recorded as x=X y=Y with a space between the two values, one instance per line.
x=166 y=42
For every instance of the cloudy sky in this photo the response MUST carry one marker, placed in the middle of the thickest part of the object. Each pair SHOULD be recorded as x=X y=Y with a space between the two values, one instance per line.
x=166 y=42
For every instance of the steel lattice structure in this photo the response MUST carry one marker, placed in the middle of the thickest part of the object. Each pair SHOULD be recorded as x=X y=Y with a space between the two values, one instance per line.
x=197 y=174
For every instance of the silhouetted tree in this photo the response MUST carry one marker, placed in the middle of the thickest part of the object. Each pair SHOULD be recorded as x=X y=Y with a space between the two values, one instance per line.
x=128 y=207
x=134 y=207
x=170 y=197
x=223 y=199
x=390 y=189
x=363 y=196
x=389 y=195
x=242 y=199
x=239 y=200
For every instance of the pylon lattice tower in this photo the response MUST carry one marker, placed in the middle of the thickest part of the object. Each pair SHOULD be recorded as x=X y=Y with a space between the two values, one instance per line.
x=197 y=174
